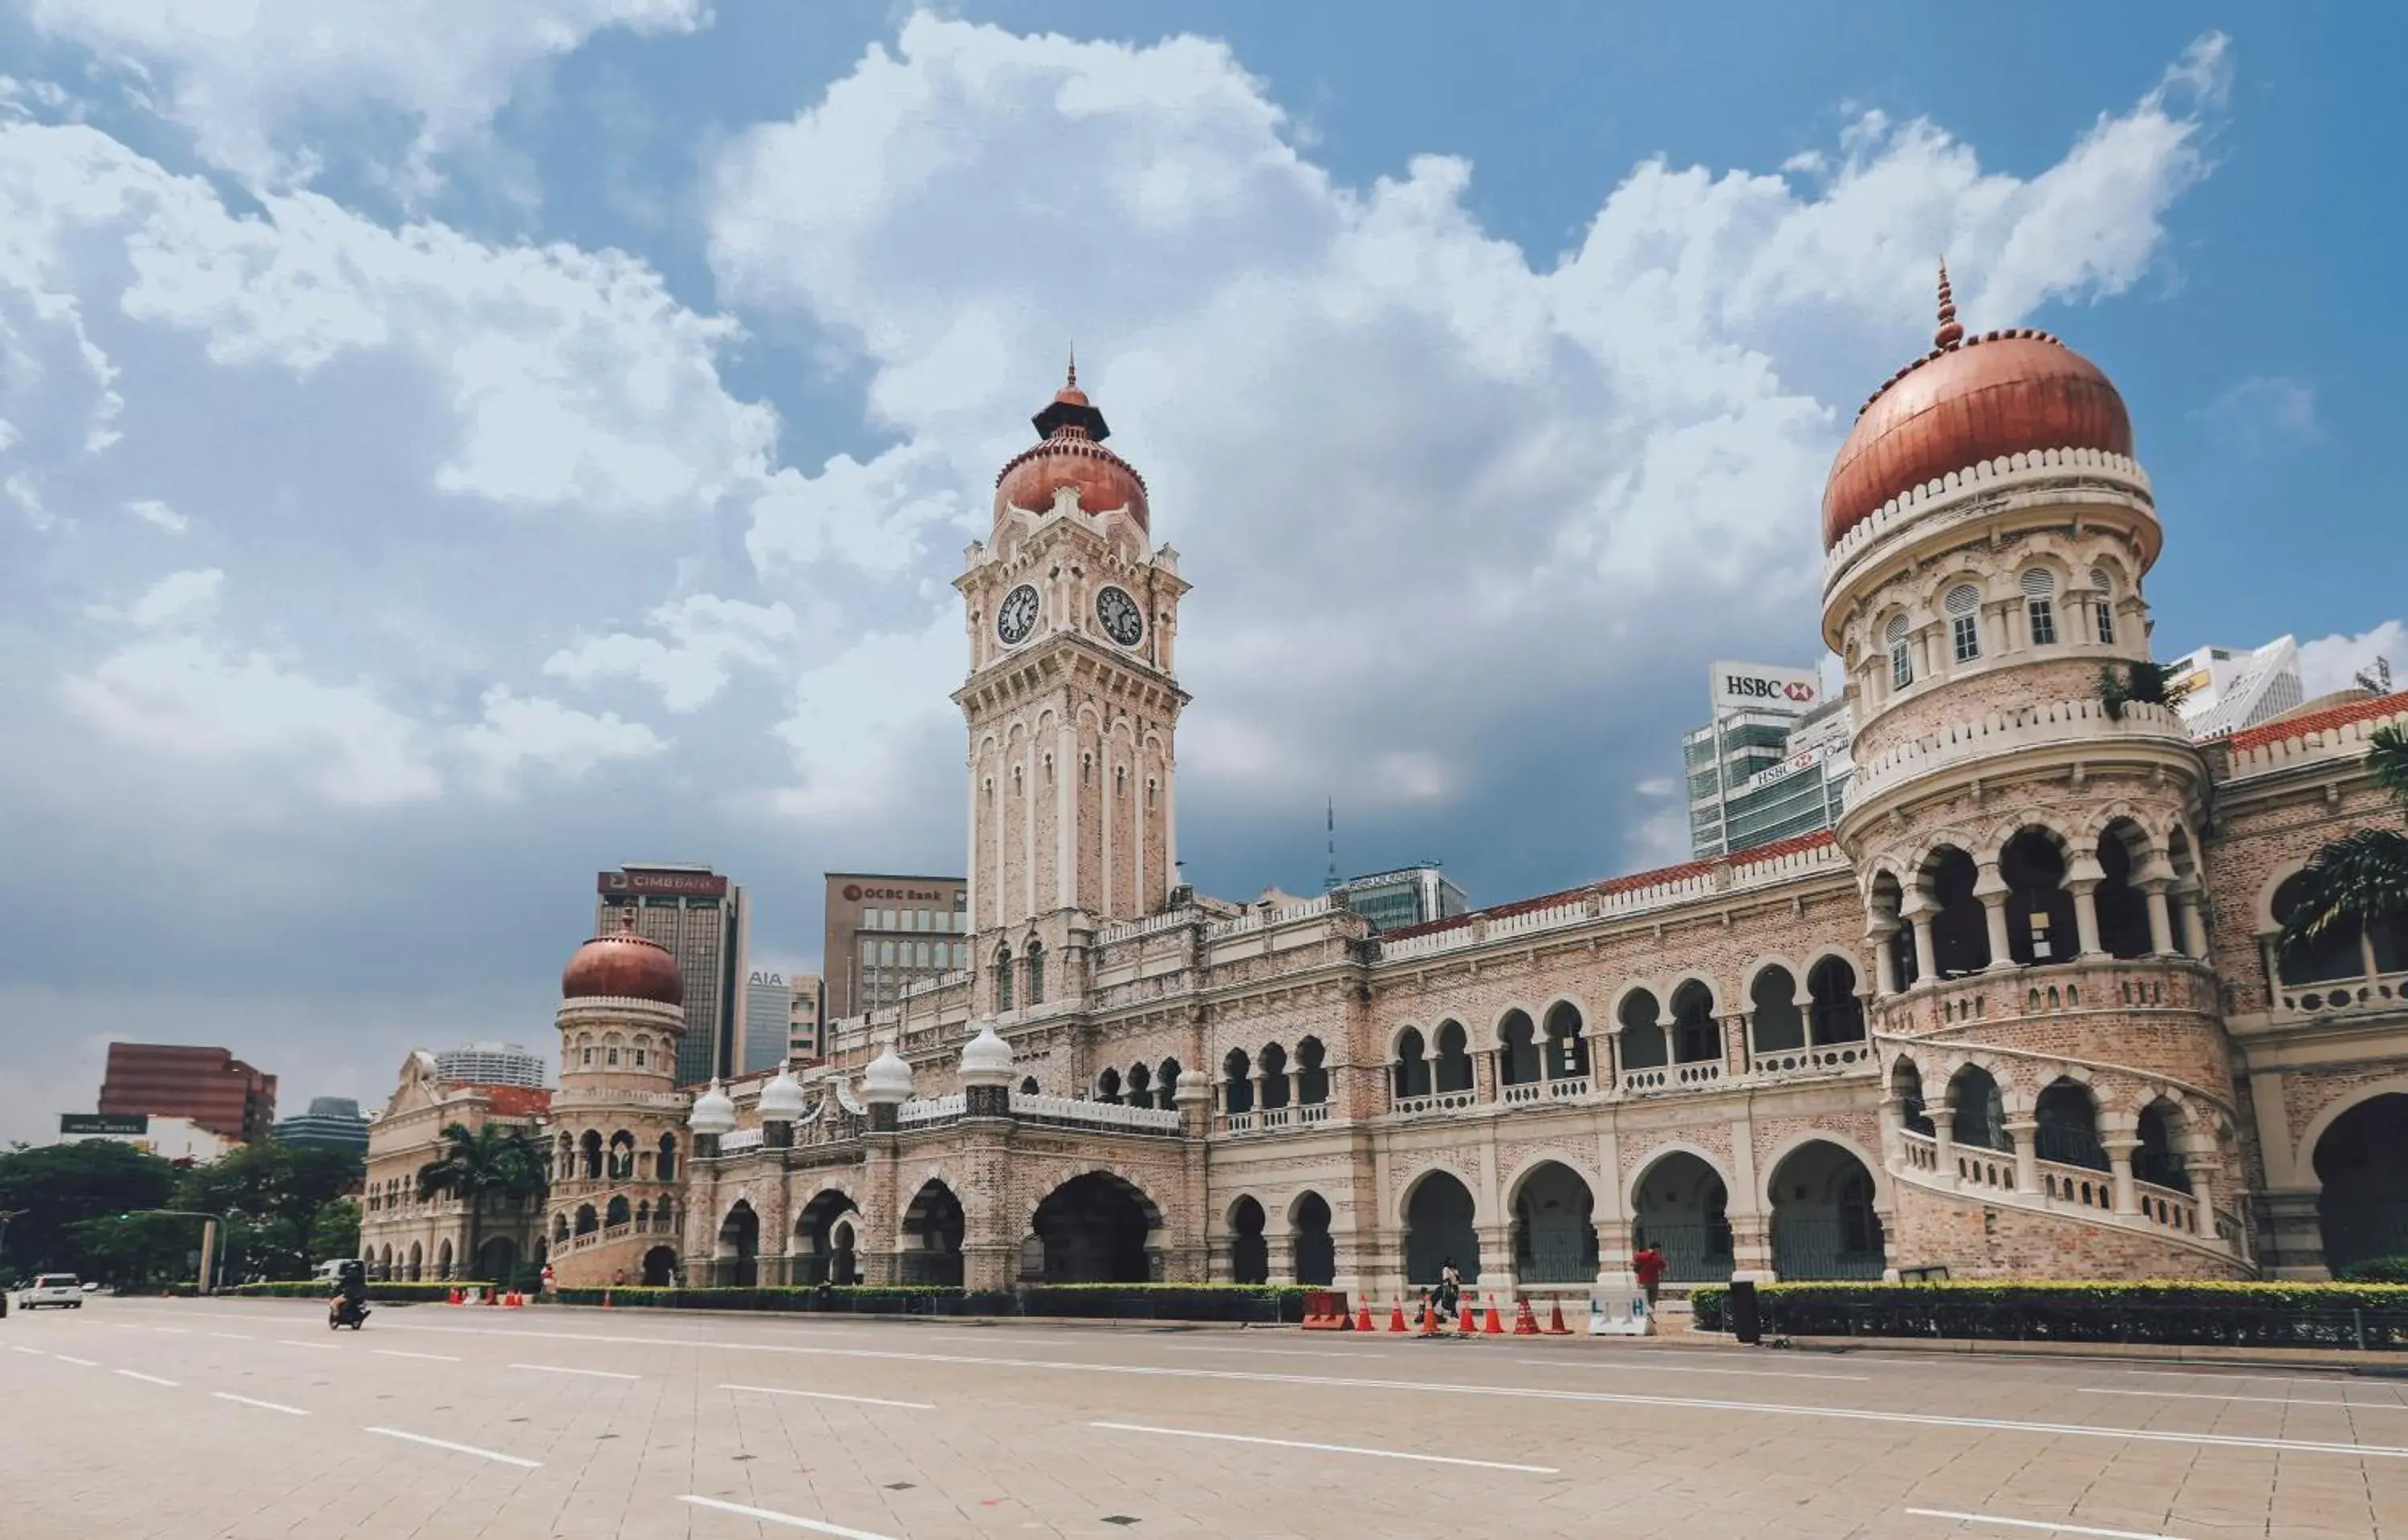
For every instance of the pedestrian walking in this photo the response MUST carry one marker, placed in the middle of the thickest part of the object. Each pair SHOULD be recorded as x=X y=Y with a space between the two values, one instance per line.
x=1648 y=1263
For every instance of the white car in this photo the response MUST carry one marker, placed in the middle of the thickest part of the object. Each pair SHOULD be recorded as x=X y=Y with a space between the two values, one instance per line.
x=50 y=1289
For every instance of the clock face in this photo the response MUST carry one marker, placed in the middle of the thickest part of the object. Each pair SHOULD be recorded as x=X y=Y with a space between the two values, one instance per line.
x=1119 y=612
x=1017 y=615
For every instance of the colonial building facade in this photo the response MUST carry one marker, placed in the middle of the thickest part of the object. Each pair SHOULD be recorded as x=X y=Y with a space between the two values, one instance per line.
x=2020 y=1014
x=407 y=1237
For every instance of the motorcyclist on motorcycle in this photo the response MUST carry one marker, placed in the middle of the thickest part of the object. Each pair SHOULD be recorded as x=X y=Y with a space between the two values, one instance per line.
x=350 y=1306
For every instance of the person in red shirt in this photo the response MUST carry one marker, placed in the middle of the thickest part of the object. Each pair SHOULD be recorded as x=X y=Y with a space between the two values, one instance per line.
x=1648 y=1263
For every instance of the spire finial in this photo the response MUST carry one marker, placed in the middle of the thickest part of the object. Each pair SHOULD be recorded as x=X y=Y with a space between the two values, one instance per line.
x=628 y=918
x=1072 y=383
x=1950 y=333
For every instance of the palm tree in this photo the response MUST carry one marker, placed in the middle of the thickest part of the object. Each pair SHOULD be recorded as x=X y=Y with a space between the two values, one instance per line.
x=494 y=1161
x=2363 y=876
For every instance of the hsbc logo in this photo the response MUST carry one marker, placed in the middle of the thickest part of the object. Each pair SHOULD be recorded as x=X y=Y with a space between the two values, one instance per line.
x=1744 y=687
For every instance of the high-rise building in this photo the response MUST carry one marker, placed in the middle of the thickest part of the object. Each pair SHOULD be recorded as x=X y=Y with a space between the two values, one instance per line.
x=768 y=1004
x=210 y=1085
x=886 y=933
x=332 y=1123
x=1772 y=763
x=492 y=1064
x=805 y=1019
x=1411 y=895
x=700 y=916
x=2231 y=688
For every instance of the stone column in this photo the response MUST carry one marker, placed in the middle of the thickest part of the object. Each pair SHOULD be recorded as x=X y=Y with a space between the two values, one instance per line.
x=1944 y=1140
x=2161 y=929
x=1279 y=1251
x=1614 y=1247
x=1917 y=912
x=2081 y=879
x=1885 y=962
x=1496 y=1263
x=1190 y=1260
x=2119 y=1168
x=2026 y=1137
x=2192 y=929
x=1991 y=889
x=1751 y=1247
x=2291 y=1236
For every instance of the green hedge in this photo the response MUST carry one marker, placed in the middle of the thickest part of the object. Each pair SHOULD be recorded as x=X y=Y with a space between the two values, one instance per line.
x=388 y=1292
x=1263 y=1304
x=2388 y=1270
x=2172 y=1312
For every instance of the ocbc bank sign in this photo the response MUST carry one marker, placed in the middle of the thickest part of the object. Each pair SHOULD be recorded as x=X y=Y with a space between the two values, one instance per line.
x=855 y=893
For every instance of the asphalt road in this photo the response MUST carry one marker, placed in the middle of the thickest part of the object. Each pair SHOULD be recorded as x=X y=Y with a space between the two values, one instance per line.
x=202 y=1419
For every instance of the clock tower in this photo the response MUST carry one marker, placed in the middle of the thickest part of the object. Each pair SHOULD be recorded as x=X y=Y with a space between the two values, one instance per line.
x=1072 y=706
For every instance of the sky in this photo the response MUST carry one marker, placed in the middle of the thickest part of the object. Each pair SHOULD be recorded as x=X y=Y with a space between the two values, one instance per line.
x=447 y=450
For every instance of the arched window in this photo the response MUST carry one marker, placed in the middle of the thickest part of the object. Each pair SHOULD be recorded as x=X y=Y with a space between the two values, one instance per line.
x=2039 y=910
x=1964 y=608
x=1981 y=1115
x=1108 y=1086
x=666 y=1168
x=1274 y=1077
x=2069 y=1126
x=1775 y=1023
x=1697 y=1037
x=1036 y=974
x=2039 y=605
x=1566 y=1049
x=1003 y=978
x=2157 y=1160
x=1138 y=1096
x=1901 y=656
x=1413 y=1071
x=2123 y=909
x=1452 y=1071
x=2106 y=604
x=1312 y=1075
x=1028 y=1085
x=1642 y=1033
x=1165 y=1084
x=592 y=1147
x=1836 y=1015
x=1238 y=1086
x=1517 y=1050
x=2331 y=954
x=1960 y=931
x=617 y=1214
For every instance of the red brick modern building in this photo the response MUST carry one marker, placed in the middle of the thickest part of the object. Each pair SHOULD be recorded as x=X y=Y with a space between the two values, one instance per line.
x=210 y=1085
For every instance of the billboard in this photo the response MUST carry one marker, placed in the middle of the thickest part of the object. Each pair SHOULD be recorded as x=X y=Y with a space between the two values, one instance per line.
x=1765 y=688
x=103 y=1123
x=688 y=885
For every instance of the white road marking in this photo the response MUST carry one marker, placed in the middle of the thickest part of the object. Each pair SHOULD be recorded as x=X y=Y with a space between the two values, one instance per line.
x=1328 y=1449
x=459 y=1448
x=1597 y=1398
x=237 y=1337
x=150 y=1379
x=2271 y=1401
x=1279 y=1352
x=2035 y=1524
x=19 y=1347
x=771 y=1515
x=264 y=1405
x=87 y=1363
x=398 y=1352
x=825 y=1395
x=296 y=1341
x=173 y=1331
x=1673 y=1369
x=556 y=1369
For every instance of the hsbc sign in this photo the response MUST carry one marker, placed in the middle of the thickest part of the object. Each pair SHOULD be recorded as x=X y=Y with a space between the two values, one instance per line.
x=1762 y=687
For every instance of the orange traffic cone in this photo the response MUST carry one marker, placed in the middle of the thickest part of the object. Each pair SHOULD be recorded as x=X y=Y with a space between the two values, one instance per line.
x=606 y=1299
x=1463 y=1321
x=1555 y=1327
x=1526 y=1322
x=1397 y=1316
x=1493 y=1327
x=493 y=1295
x=1363 y=1322
x=452 y=1298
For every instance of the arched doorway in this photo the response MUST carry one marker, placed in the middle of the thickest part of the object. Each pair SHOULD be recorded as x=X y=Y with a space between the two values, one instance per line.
x=932 y=1237
x=1095 y=1229
x=817 y=1258
x=737 y=1262
x=1960 y=926
x=1311 y=1252
x=1437 y=1229
x=1682 y=1211
x=1823 y=1220
x=496 y=1258
x=2362 y=1161
x=1249 y=1254
x=1555 y=1232
x=660 y=1267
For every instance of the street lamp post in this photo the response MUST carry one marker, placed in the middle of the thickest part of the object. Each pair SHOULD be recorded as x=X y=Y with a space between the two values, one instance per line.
x=6 y=1215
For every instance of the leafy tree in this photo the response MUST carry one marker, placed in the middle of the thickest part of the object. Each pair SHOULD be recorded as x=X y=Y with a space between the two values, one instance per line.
x=2362 y=877
x=137 y=1250
x=2147 y=682
x=56 y=1187
x=273 y=1195
x=494 y=1164
x=337 y=1234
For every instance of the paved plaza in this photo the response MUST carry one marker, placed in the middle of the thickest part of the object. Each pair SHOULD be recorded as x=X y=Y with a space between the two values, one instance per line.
x=175 y=1419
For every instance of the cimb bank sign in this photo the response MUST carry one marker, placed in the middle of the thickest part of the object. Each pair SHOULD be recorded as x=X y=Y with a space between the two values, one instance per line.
x=1762 y=687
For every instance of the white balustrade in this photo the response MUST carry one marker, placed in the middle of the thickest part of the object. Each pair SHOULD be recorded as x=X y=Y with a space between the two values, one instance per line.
x=932 y=1109
x=1800 y=1063
x=1106 y=1115
x=1672 y=1077
x=1440 y=1102
x=2333 y=997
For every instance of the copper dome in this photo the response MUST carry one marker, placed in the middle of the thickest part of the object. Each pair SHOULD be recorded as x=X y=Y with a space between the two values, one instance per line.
x=1070 y=453
x=621 y=965
x=1970 y=399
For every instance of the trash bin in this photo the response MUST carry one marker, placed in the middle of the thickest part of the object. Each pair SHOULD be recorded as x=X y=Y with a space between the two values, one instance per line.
x=1747 y=1321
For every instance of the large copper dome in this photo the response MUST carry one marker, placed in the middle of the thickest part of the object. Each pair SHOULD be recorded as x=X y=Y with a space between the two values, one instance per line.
x=1970 y=399
x=1070 y=453
x=621 y=965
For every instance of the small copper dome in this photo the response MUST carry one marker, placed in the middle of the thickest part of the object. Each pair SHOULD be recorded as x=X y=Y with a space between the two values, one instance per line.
x=621 y=965
x=1970 y=399
x=1070 y=453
